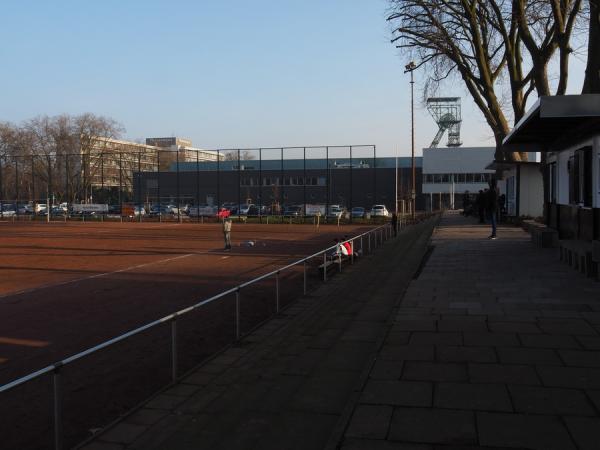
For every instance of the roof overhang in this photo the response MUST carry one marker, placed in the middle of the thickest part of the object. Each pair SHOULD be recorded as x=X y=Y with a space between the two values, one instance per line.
x=507 y=165
x=554 y=122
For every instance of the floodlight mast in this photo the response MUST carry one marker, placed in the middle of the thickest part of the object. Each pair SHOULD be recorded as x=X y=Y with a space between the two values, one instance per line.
x=410 y=67
x=446 y=113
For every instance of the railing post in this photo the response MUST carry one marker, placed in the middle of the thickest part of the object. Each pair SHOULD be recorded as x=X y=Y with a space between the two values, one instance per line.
x=304 y=268
x=237 y=315
x=362 y=249
x=352 y=251
x=369 y=243
x=174 y=350
x=340 y=260
x=324 y=266
x=277 y=290
x=58 y=427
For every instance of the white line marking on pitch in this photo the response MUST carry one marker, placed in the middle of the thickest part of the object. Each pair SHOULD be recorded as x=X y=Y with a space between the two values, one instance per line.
x=225 y=257
x=26 y=291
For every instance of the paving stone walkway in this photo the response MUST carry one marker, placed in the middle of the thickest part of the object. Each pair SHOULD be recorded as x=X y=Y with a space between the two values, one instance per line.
x=293 y=383
x=496 y=345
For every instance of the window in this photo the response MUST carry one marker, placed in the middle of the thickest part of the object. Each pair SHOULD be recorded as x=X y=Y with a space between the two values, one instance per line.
x=461 y=178
x=580 y=177
x=552 y=181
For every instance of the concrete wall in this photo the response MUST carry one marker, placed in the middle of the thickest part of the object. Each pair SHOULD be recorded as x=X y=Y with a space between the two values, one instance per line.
x=531 y=195
x=457 y=160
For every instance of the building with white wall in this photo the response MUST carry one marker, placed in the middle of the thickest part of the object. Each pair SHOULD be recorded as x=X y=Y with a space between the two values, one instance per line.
x=450 y=172
x=567 y=129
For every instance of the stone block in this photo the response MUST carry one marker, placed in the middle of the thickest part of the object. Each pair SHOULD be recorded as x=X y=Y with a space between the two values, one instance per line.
x=386 y=370
x=514 y=327
x=550 y=401
x=124 y=433
x=372 y=444
x=407 y=352
x=523 y=431
x=570 y=377
x=370 y=421
x=491 y=339
x=502 y=374
x=414 y=325
x=459 y=324
x=566 y=326
x=434 y=426
x=447 y=353
x=483 y=397
x=585 y=431
x=428 y=338
x=431 y=371
x=526 y=355
x=548 y=341
x=397 y=393
x=580 y=358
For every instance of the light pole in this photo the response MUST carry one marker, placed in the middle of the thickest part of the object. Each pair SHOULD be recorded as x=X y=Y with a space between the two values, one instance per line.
x=410 y=67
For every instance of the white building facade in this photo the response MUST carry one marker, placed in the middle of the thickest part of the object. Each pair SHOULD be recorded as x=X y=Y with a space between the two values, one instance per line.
x=448 y=173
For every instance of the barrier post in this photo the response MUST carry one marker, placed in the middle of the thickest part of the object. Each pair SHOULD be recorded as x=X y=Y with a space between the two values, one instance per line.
x=237 y=315
x=369 y=242
x=340 y=260
x=174 y=350
x=351 y=251
x=58 y=428
x=277 y=291
x=324 y=266
x=304 y=268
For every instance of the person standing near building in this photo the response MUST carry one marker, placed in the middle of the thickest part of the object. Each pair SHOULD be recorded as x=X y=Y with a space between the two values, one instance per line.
x=481 y=206
x=492 y=206
x=227 y=233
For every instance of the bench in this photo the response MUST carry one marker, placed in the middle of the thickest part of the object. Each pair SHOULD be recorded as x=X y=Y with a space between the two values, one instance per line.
x=579 y=255
x=541 y=235
x=327 y=265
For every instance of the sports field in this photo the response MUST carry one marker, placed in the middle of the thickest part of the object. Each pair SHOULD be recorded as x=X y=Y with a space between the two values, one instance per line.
x=65 y=287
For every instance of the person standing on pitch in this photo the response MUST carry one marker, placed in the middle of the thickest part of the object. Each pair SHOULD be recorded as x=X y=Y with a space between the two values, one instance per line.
x=227 y=233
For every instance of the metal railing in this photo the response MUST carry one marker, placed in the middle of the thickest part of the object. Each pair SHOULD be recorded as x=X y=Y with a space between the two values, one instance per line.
x=374 y=237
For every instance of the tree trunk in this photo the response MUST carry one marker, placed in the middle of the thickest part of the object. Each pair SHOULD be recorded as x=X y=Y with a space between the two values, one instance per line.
x=591 y=84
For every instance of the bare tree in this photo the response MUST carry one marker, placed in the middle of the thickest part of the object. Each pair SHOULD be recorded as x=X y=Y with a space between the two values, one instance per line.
x=591 y=84
x=244 y=155
x=488 y=42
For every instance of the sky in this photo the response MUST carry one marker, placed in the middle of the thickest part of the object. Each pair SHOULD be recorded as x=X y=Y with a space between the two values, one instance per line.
x=225 y=74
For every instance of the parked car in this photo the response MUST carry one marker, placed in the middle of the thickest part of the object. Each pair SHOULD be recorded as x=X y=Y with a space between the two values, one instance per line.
x=379 y=210
x=335 y=211
x=294 y=211
x=358 y=212
x=244 y=209
x=202 y=210
x=139 y=211
x=256 y=210
x=8 y=210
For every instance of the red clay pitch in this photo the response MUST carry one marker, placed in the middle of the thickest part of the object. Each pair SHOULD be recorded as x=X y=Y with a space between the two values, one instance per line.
x=66 y=287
